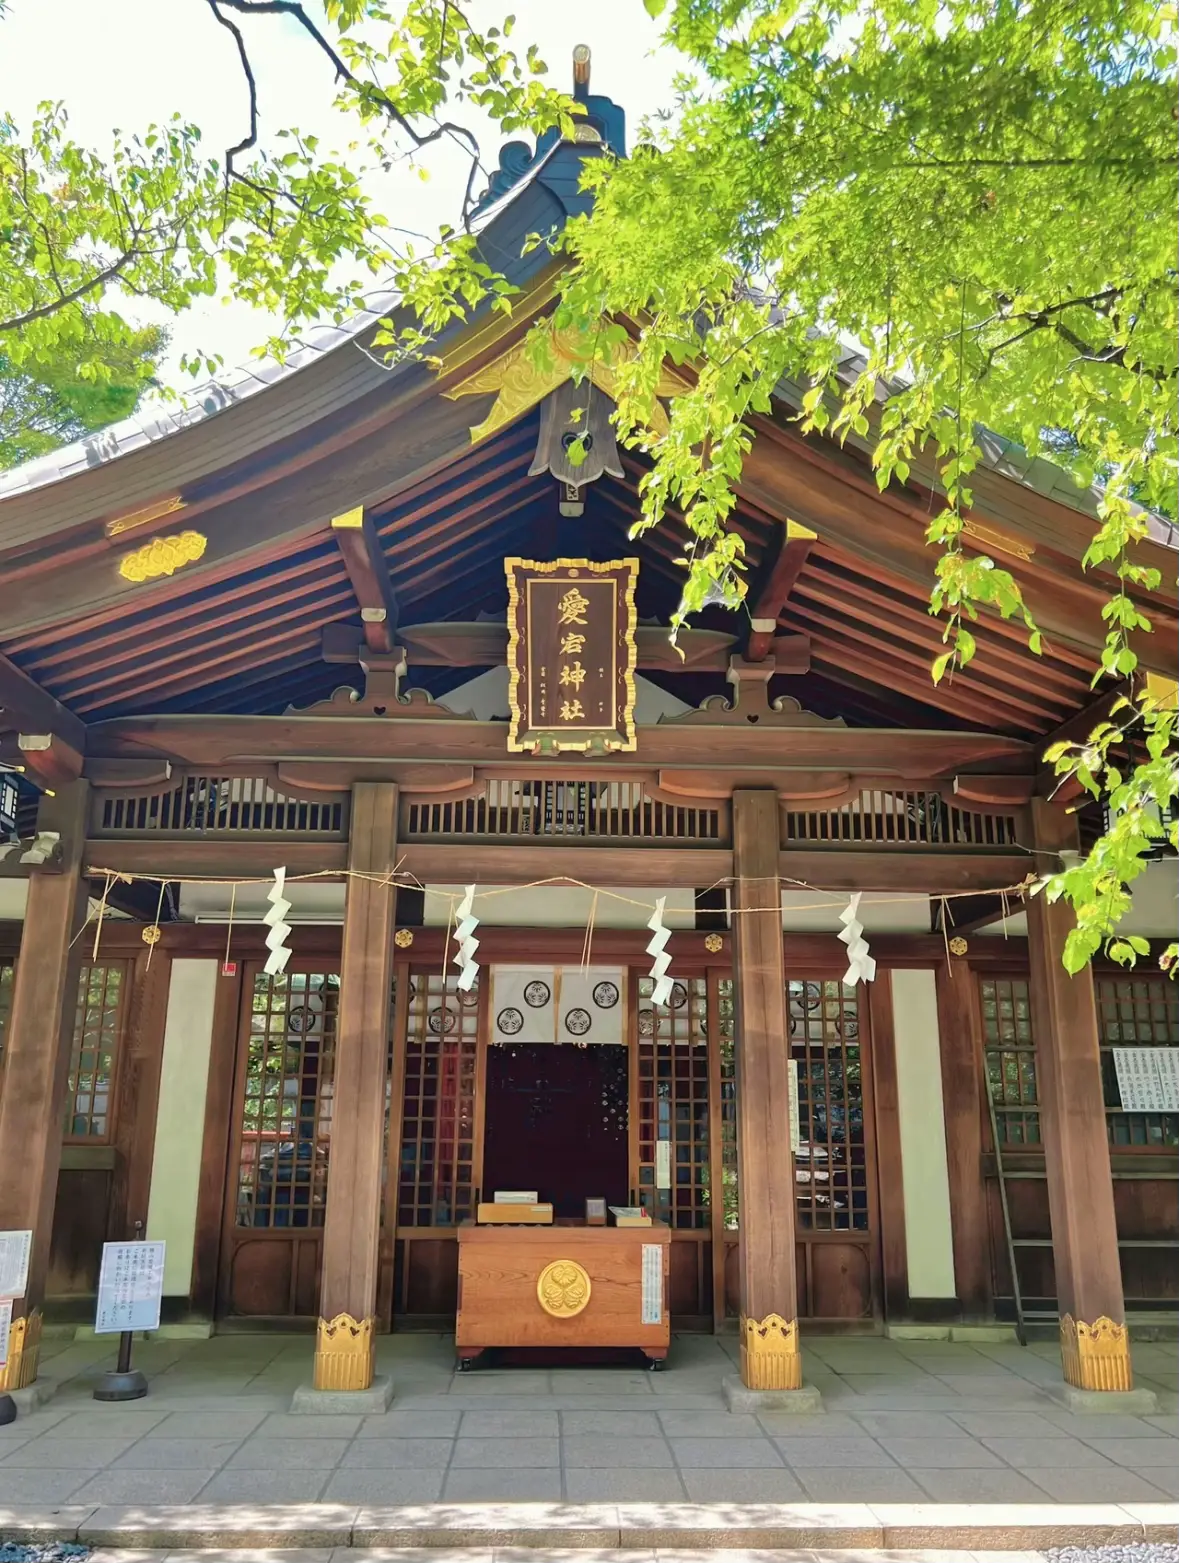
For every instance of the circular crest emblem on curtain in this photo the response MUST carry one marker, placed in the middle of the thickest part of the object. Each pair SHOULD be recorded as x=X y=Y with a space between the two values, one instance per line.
x=537 y=994
x=563 y=1289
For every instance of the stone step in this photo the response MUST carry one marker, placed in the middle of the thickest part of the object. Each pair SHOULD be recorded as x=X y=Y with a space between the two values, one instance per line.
x=479 y=1529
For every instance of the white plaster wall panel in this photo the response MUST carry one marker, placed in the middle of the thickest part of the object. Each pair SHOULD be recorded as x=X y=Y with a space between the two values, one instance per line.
x=817 y=911
x=180 y=1118
x=316 y=899
x=561 y=906
x=925 y=1175
x=1154 y=907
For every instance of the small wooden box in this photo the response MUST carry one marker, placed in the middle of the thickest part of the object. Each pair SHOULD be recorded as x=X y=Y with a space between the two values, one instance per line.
x=491 y=1214
x=595 y=1212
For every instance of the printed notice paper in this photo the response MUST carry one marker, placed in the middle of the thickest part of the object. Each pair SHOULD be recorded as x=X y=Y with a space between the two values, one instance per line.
x=15 y=1248
x=652 y=1283
x=130 y=1286
x=1148 y=1078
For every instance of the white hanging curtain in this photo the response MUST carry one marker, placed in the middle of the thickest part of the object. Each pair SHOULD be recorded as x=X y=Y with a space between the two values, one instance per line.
x=531 y=1004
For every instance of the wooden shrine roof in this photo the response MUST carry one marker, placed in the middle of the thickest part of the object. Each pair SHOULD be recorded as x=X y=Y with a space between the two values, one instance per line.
x=260 y=475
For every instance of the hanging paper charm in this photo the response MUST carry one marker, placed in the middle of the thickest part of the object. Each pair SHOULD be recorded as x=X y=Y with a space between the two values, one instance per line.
x=464 y=938
x=658 y=948
x=275 y=920
x=861 y=967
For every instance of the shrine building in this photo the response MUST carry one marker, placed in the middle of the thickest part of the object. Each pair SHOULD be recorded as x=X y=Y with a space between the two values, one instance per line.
x=369 y=627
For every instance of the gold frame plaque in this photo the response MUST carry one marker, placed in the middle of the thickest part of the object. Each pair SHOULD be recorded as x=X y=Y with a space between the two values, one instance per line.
x=571 y=655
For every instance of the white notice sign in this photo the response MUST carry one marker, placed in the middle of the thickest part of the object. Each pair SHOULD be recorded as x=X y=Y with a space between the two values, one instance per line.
x=15 y=1248
x=652 y=1283
x=1166 y=1060
x=5 y=1328
x=662 y=1164
x=130 y=1286
x=1139 y=1084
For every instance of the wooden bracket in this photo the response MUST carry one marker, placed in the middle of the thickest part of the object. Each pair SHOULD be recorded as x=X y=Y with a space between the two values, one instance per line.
x=26 y=707
x=48 y=760
x=368 y=570
x=797 y=543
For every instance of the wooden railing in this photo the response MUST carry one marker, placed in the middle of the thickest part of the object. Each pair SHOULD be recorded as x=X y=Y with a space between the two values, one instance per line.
x=208 y=805
x=899 y=819
x=512 y=810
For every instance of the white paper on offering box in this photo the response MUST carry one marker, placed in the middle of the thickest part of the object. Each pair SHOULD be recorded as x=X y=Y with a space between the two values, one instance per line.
x=652 y=1283
x=15 y=1248
x=130 y=1288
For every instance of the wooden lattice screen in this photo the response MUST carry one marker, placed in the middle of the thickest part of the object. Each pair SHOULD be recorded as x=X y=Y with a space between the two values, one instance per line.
x=1140 y=1011
x=1009 y=1042
x=831 y=1165
x=436 y=1183
x=287 y=1104
x=95 y=1049
x=673 y=1103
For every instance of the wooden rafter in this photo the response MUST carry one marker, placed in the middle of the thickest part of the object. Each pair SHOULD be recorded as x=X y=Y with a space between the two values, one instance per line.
x=364 y=559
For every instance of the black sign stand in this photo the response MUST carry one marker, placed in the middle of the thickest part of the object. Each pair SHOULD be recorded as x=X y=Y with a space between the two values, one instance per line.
x=124 y=1382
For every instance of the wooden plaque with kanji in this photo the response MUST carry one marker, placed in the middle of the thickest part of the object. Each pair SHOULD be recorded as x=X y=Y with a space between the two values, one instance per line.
x=571 y=654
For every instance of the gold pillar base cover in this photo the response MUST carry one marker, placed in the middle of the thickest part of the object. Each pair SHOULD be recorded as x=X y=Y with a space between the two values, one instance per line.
x=24 y=1352
x=344 y=1355
x=770 y=1358
x=1095 y=1356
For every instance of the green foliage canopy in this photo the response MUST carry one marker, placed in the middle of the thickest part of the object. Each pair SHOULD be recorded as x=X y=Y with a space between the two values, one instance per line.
x=982 y=196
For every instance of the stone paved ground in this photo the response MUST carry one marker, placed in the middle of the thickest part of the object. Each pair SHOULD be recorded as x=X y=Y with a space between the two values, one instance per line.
x=904 y=1421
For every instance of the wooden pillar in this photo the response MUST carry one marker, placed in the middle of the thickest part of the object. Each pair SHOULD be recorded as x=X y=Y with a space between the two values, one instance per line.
x=770 y=1357
x=348 y=1291
x=1094 y=1342
x=36 y=1064
x=959 y=1025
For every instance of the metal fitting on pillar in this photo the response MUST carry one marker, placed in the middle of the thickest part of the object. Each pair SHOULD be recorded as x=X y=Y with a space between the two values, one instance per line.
x=770 y=1358
x=344 y=1353
x=1096 y=1356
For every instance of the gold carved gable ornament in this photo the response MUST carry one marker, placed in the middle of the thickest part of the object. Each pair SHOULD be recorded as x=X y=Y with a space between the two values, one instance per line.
x=571 y=655
x=519 y=381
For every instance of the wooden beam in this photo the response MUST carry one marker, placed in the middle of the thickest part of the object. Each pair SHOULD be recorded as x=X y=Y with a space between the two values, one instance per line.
x=458 y=645
x=514 y=863
x=770 y=1356
x=368 y=570
x=366 y=740
x=25 y=707
x=344 y=1352
x=789 y=565
x=1076 y=1140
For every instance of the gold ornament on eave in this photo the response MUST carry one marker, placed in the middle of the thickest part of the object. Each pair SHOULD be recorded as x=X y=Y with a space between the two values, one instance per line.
x=162 y=556
x=958 y=945
x=403 y=938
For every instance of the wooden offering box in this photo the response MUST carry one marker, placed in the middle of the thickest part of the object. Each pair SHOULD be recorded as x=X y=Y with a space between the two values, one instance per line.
x=566 y=1285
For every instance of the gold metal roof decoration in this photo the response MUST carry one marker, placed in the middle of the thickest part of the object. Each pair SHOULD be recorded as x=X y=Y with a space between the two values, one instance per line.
x=162 y=556
x=520 y=381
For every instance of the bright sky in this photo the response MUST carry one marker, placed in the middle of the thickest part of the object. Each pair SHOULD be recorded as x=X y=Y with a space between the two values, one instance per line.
x=125 y=63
